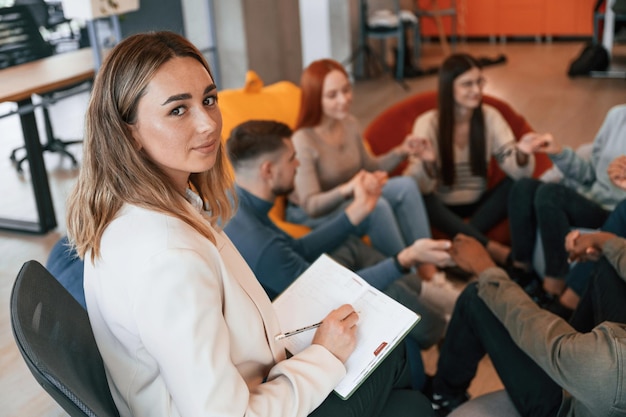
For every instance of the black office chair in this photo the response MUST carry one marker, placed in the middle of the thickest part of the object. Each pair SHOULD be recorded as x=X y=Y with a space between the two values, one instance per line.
x=21 y=42
x=53 y=334
x=58 y=29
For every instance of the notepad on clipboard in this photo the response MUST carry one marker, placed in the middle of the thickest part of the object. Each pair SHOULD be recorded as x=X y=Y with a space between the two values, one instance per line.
x=326 y=285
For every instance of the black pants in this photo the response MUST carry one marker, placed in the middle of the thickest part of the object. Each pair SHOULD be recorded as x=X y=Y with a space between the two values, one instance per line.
x=475 y=331
x=553 y=209
x=603 y=300
x=490 y=210
x=385 y=393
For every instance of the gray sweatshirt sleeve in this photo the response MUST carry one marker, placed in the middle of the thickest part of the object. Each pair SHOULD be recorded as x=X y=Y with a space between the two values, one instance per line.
x=586 y=365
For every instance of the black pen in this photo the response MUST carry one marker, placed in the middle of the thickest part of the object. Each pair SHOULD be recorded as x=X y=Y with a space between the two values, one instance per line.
x=300 y=330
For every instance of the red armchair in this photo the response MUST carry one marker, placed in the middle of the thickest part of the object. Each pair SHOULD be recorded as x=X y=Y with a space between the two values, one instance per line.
x=390 y=127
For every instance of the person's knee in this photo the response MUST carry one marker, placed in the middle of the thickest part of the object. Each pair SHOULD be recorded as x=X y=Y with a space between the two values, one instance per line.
x=398 y=187
x=383 y=209
x=467 y=296
x=523 y=187
x=616 y=222
x=549 y=195
x=522 y=193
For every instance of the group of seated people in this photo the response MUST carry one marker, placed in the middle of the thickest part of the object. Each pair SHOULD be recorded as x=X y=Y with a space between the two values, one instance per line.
x=177 y=266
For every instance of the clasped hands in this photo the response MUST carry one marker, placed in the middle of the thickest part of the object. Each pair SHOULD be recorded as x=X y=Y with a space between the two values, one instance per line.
x=538 y=142
x=585 y=246
x=419 y=147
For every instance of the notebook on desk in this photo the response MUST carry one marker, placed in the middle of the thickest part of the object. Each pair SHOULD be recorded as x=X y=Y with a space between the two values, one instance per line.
x=326 y=285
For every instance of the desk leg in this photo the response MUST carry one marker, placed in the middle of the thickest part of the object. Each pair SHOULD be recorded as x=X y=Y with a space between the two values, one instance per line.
x=39 y=178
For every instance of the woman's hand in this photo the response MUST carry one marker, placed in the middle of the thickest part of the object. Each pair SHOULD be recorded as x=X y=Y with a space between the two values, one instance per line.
x=337 y=333
x=421 y=148
x=367 y=190
x=426 y=251
x=538 y=142
x=347 y=189
x=617 y=171
x=408 y=145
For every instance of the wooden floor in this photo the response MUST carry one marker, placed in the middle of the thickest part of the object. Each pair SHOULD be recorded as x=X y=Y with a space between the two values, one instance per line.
x=533 y=81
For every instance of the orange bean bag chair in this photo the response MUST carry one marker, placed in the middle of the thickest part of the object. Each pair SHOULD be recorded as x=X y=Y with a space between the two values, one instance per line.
x=391 y=126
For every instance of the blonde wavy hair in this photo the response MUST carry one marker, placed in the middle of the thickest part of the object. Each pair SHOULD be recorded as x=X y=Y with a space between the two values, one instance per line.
x=114 y=172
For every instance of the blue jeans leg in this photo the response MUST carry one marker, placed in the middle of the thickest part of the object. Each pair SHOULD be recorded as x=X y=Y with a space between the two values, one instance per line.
x=406 y=201
x=383 y=229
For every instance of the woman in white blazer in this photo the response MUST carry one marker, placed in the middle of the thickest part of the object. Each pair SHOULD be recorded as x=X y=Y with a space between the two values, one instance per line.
x=182 y=324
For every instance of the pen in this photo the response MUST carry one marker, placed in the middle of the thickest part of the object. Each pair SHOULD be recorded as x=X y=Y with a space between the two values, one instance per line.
x=300 y=330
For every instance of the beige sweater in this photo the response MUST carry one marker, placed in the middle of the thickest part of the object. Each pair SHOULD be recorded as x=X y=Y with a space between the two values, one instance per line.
x=324 y=167
x=468 y=188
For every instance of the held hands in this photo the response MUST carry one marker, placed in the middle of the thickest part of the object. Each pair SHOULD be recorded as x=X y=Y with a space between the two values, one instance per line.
x=366 y=191
x=421 y=148
x=470 y=255
x=617 y=171
x=427 y=251
x=373 y=181
x=538 y=142
x=587 y=246
x=337 y=333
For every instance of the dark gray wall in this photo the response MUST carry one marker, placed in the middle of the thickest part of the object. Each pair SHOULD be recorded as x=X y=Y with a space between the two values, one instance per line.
x=154 y=15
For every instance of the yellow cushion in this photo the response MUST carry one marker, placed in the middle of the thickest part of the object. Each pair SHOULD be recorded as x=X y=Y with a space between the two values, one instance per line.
x=279 y=101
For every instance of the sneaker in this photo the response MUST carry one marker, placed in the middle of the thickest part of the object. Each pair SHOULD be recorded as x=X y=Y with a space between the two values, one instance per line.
x=445 y=405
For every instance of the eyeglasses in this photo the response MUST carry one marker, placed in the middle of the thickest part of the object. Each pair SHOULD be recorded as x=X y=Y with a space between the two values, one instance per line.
x=479 y=82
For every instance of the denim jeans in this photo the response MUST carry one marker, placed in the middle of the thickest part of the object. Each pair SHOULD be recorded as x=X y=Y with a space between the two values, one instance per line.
x=398 y=219
x=484 y=214
x=553 y=209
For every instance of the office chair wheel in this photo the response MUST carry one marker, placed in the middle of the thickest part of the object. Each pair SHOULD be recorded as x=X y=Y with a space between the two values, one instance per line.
x=59 y=146
x=13 y=156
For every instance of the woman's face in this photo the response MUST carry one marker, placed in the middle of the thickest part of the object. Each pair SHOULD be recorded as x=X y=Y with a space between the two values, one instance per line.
x=336 y=95
x=178 y=120
x=468 y=88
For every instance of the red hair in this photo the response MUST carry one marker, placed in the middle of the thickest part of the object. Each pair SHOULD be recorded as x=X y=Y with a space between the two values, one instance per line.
x=311 y=84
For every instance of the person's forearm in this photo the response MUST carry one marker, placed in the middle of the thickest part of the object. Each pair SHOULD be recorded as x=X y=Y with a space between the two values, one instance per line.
x=380 y=275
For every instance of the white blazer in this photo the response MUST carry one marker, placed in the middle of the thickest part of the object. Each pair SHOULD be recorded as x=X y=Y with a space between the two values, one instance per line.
x=185 y=329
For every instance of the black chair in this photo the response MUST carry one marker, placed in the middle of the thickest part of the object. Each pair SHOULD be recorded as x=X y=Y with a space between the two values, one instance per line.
x=54 y=335
x=58 y=30
x=21 y=42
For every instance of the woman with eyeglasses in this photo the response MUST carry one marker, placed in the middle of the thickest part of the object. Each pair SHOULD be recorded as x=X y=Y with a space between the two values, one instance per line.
x=454 y=145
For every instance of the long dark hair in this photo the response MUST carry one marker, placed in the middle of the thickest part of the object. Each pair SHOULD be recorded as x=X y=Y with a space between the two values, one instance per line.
x=452 y=67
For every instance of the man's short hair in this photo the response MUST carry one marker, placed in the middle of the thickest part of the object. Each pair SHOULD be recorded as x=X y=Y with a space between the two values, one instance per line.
x=254 y=138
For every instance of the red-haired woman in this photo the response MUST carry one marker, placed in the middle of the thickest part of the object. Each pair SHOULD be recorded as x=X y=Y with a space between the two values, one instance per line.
x=331 y=152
